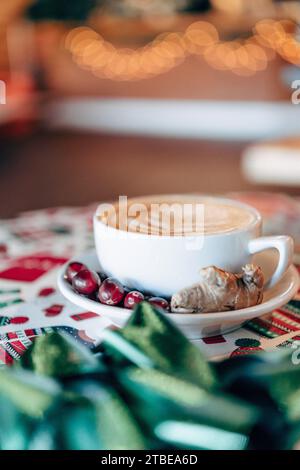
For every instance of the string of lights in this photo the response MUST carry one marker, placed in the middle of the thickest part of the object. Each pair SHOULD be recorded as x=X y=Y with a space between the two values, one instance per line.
x=244 y=57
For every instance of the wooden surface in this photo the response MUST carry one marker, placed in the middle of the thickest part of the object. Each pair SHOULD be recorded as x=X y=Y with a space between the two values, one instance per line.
x=63 y=168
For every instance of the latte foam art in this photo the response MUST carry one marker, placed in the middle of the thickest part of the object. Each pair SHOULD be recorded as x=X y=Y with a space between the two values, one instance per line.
x=180 y=215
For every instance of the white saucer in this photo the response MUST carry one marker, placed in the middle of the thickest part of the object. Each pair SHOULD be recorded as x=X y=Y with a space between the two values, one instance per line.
x=197 y=325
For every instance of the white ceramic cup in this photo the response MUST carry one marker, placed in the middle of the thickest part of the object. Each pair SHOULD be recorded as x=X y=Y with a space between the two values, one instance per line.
x=162 y=265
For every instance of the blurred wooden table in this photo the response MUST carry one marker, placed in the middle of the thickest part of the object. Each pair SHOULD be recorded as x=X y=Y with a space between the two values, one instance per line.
x=52 y=169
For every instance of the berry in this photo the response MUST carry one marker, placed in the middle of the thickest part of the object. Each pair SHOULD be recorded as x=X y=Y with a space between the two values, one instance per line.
x=86 y=282
x=111 y=292
x=73 y=269
x=133 y=298
x=159 y=302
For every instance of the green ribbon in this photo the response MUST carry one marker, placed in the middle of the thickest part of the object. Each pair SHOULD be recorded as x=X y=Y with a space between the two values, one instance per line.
x=147 y=387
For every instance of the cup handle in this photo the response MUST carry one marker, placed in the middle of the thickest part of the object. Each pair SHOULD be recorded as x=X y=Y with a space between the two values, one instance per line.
x=284 y=245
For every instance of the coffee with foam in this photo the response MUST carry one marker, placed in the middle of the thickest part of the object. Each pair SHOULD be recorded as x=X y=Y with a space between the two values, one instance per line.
x=177 y=215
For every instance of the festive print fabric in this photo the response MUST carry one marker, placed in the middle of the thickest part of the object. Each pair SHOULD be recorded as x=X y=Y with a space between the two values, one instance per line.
x=35 y=245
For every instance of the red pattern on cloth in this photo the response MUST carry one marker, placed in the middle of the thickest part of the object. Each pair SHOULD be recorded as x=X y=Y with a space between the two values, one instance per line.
x=84 y=316
x=30 y=268
x=37 y=243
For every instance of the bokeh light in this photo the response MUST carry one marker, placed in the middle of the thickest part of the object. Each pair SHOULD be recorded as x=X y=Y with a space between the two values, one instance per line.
x=243 y=57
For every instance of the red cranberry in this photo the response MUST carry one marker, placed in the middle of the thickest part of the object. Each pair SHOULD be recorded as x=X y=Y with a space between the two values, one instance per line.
x=86 y=282
x=74 y=268
x=159 y=302
x=111 y=292
x=133 y=298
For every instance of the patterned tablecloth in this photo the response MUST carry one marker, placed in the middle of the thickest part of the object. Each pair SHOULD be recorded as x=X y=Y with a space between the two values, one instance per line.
x=34 y=245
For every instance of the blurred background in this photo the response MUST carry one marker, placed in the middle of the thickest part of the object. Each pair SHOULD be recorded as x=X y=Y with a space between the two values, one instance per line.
x=101 y=98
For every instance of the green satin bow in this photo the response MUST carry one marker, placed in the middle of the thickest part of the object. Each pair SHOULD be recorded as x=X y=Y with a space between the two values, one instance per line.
x=146 y=387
